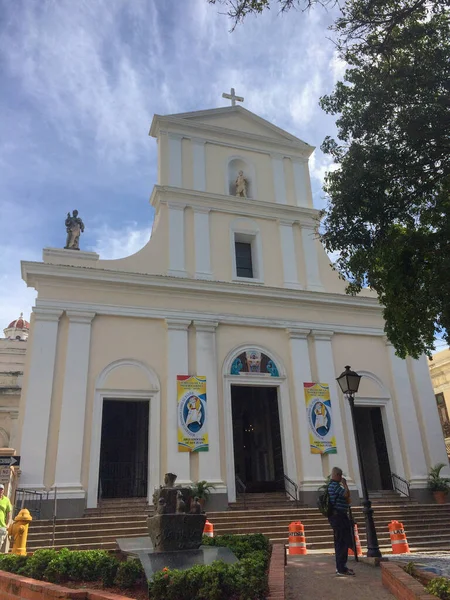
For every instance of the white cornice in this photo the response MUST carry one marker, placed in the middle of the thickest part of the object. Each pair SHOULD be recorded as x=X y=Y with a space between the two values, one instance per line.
x=33 y=271
x=213 y=133
x=180 y=319
x=234 y=205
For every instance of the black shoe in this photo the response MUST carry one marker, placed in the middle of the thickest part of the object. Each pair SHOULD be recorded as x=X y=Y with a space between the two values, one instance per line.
x=345 y=573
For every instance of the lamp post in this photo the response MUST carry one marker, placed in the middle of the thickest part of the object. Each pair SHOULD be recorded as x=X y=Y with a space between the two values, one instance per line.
x=349 y=383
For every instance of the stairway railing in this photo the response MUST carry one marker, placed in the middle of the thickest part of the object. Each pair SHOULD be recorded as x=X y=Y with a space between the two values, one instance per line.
x=241 y=488
x=400 y=485
x=291 y=489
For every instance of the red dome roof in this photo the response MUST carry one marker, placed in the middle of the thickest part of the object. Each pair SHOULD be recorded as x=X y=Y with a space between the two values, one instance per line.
x=19 y=323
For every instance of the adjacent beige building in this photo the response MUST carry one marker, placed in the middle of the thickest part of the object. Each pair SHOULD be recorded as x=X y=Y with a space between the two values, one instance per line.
x=12 y=360
x=234 y=288
x=440 y=377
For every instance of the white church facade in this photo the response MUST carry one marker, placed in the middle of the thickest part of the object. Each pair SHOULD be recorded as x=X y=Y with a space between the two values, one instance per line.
x=234 y=290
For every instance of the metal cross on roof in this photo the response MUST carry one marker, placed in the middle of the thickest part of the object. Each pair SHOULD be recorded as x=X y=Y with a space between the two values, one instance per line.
x=233 y=97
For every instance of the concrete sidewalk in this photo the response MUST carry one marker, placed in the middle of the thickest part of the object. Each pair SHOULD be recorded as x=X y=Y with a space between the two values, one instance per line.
x=313 y=577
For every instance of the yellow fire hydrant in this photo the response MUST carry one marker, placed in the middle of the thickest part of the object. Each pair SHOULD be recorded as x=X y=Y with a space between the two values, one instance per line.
x=18 y=531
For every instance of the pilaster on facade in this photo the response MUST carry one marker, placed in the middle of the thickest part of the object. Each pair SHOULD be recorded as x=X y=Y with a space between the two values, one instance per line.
x=302 y=183
x=313 y=280
x=39 y=397
x=177 y=364
x=279 y=178
x=175 y=158
x=428 y=412
x=408 y=423
x=71 y=428
x=177 y=255
x=327 y=374
x=206 y=359
x=202 y=243
x=289 y=257
x=199 y=164
x=310 y=464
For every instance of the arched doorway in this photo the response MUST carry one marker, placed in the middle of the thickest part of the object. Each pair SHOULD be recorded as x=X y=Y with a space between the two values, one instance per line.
x=141 y=406
x=258 y=425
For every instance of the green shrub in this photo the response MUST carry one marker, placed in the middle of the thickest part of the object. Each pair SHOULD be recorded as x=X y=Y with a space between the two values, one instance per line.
x=38 y=562
x=12 y=563
x=129 y=573
x=244 y=580
x=439 y=587
x=410 y=568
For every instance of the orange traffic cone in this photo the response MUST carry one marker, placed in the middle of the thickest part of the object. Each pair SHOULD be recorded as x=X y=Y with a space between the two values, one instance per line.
x=398 y=538
x=297 y=540
x=208 y=529
x=357 y=543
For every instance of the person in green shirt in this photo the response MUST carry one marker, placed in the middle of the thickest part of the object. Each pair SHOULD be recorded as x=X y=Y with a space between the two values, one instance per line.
x=5 y=513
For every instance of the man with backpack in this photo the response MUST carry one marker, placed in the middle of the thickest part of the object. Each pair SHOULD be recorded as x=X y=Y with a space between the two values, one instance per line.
x=338 y=505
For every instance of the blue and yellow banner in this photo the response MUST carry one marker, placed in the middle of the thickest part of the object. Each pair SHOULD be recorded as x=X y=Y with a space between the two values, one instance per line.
x=320 y=419
x=192 y=426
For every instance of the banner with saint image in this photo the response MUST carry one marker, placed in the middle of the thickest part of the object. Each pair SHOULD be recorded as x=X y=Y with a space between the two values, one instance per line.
x=192 y=426
x=320 y=418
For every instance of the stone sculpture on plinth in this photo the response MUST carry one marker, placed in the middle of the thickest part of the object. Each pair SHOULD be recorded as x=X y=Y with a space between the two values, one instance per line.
x=173 y=527
x=74 y=228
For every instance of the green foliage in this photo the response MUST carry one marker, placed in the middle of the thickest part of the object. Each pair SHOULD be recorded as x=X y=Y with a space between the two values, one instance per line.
x=388 y=213
x=201 y=489
x=38 y=562
x=12 y=563
x=410 y=568
x=436 y=483
x=439 y=587
x=244 y=580
x=129 y=573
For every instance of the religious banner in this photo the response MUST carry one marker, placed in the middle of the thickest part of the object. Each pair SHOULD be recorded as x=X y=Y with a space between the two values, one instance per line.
x=192 y=432
x=320 y=421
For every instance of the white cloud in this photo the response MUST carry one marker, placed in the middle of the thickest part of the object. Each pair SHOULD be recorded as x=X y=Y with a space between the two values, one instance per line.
x=118 y=243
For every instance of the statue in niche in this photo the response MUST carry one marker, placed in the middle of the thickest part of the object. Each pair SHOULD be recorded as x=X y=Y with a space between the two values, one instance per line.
x=74 y=228
x=241 y=185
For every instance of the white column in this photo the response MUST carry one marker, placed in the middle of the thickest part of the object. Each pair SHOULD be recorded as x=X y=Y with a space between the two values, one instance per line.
x=177 y=266
x=288 y=254
x=177 y=364
x=327 y=374
x=14 y=416
x=279 y=180
x=33 y=448
x=311 y=464
x=313 y=281
x=209 y=462
x=199 y=164
x=302 y=183
x=202 y=243
x=175 y=168
x=427 y=406
x=71 y=428
x=408 y=424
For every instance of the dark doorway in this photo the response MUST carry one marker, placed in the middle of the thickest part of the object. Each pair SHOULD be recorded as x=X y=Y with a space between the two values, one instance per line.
x=373 y=448
x=124 y=449
x=258 y=455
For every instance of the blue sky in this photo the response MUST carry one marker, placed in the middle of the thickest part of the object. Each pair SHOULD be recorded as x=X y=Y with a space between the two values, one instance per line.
x=80 y=83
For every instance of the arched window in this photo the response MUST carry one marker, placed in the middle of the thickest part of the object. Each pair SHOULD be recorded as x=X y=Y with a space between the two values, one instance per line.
x=254 y=362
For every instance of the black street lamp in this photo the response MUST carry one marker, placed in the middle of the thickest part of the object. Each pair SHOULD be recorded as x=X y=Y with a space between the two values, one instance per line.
x=349 y=383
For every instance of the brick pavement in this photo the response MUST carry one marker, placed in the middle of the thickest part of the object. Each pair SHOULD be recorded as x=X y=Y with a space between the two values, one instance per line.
x=313 y=577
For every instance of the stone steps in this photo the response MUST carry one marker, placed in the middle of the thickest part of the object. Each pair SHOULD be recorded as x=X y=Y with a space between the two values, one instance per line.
x=426 y=525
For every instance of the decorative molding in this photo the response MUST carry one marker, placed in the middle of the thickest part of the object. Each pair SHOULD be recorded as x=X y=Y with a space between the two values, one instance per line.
x=46 y=314
x=67 y=255
x=234 y=205
x=201 y=209
x=80 y=317
x=322 y=335
x=178 y=324
x=32 y=270
x=230 y=319
x=176 y=206
x=206 y=326
x=177 y=273
x=297 y=333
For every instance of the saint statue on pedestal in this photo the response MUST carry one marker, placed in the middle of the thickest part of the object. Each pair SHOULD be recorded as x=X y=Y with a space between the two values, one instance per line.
x=74 y=228
x=241 y=185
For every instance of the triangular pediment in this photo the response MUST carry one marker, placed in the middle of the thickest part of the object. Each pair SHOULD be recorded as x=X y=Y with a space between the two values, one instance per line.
x=239 y=119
